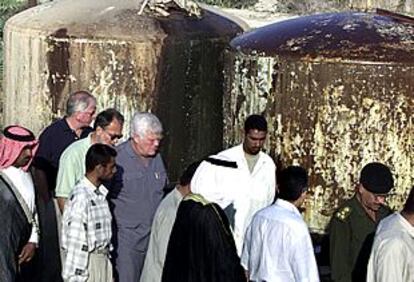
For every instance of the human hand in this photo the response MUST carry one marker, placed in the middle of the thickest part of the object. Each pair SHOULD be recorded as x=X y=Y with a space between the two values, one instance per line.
x=27 y=253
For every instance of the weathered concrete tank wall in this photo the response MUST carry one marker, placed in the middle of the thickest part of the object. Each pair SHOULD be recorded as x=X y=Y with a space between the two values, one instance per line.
x=333 y=100
x=171 y=66
x=403 y=6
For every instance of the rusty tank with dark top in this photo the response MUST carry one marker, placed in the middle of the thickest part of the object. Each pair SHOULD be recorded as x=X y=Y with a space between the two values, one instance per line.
x=337 y=91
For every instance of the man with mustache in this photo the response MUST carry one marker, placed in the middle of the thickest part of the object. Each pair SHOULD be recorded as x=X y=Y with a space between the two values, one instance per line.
x=18 y=219
x=353 y=225
x=87 y=221
x=245 y=187
x=107 y=130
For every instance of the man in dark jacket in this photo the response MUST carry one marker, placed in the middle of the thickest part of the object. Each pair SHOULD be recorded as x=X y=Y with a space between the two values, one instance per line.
x=353 y=225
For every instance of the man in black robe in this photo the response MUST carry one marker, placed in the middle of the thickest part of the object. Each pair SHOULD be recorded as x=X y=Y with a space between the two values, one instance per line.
x=17 y=208
x=201 y=247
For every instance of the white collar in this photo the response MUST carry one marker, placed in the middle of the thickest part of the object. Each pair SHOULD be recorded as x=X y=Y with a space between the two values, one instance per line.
x=287 y=205
x=101 y=190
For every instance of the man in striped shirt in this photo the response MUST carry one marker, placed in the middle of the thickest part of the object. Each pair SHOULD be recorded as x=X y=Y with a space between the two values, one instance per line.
x=86 y=230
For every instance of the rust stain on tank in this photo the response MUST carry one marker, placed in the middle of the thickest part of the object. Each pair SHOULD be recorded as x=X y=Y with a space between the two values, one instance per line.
x=171 y=66
x=58 y=65
x=337 y=90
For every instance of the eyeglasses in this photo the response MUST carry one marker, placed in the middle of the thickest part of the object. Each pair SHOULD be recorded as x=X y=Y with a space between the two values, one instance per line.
x=113 y=136
x=89 y=113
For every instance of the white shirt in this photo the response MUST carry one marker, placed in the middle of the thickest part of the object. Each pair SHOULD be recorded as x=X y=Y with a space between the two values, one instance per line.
x=160 y=234
x=248 y=192
x=278 y=246
x=23 y=182
x=392 y=255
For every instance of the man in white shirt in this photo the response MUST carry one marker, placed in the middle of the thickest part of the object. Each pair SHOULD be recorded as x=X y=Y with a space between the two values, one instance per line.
x=18 y=219
x=392 y=255
x=161 y=227
x=277 y=245
x=248 y=187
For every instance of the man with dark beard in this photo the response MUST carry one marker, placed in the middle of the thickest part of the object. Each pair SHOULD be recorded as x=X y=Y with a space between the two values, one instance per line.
x=250 y=183
x=18 y=220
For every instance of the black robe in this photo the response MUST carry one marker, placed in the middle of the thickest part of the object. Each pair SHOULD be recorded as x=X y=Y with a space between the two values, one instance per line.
x=15 y=231
x=201 y=247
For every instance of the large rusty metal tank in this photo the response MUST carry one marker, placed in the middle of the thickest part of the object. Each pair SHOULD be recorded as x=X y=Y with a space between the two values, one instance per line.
x=338 y=92
x=165 y=60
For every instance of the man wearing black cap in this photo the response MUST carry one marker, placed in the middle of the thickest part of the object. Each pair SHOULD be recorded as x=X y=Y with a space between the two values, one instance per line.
x=352 y=227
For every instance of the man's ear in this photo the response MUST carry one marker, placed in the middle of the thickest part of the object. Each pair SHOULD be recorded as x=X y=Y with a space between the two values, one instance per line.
x=358 y=188
x=99 y=130
x=99 y=168
x=135 y=138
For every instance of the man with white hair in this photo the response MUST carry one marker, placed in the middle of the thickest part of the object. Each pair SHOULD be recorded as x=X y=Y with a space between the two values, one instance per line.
x=135 y=194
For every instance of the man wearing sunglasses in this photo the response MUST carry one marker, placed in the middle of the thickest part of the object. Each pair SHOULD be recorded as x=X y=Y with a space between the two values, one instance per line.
x=353 y=225
x=107 y=130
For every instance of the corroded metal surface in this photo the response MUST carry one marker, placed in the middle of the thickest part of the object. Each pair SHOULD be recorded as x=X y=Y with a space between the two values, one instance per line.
x=171 y=66
x=349 y=35
x=400 y=6
x=333 y=117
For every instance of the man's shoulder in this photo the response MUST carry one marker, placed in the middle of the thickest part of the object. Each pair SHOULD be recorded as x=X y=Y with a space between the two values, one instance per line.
x=169 y=205
x=267 y=159
x=274 y=215
x=232 y=151
x=56 y=127
x=271 y=212
x=79 y=193
x=392 y=241
x=345 y=210
x=76 y=148
x=123 y=149
x=391 y=226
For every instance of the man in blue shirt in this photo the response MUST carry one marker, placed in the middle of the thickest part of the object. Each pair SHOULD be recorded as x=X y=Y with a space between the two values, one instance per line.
x=80 y=111
x=135 y=194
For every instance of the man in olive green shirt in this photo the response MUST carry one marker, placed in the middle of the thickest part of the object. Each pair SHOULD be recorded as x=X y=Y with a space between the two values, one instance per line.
x=353 y=225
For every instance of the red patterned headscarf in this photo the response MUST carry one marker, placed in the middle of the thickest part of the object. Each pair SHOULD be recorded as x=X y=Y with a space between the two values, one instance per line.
x=12 y=142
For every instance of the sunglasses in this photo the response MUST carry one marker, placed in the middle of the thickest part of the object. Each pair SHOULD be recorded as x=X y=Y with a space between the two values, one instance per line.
x=113 y=136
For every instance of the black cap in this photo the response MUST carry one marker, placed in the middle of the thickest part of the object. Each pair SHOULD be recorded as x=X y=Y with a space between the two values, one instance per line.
x=376 y=178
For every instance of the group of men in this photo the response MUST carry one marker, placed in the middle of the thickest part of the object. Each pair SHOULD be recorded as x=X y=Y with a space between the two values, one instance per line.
x=73 y=168
x=95 y=210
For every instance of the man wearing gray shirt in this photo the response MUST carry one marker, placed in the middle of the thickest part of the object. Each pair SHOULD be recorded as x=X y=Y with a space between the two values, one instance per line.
x=135 y=194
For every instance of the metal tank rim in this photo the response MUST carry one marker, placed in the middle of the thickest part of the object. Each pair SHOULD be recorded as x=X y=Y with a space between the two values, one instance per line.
x=379 y=37
x=113 y=21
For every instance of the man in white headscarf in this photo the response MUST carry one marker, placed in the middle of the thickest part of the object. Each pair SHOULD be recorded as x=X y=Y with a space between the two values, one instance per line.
x=241 y=179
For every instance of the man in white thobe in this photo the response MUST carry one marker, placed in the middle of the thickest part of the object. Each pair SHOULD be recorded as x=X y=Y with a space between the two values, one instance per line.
x=392 y=255
x=162 y=225
x=241 y=179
